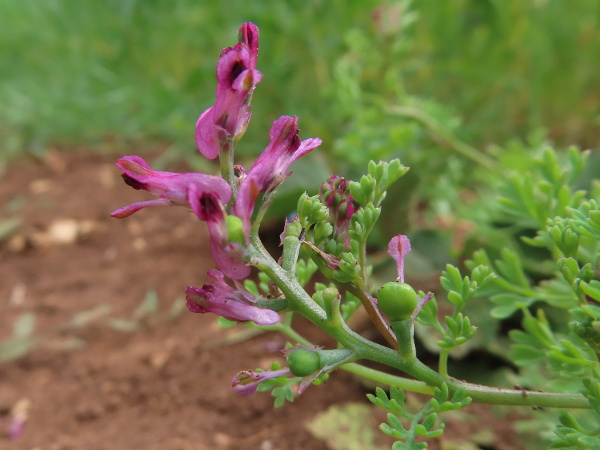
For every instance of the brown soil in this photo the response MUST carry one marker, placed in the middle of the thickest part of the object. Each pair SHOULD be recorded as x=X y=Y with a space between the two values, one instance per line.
x=165 y=385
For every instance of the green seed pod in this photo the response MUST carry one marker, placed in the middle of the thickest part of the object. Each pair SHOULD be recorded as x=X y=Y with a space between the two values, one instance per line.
x=397 y=300
x=303 y=362
x=235 y=229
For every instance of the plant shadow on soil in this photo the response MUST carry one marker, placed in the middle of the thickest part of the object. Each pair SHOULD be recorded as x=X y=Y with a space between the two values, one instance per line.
x=165 y=385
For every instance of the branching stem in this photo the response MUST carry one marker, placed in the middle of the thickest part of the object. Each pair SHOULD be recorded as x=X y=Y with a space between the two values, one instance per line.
x=365 y=349
x=443 y=362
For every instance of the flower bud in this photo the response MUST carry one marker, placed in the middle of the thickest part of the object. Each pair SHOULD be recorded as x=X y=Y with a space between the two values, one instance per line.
x=293 y=229
x=569 y=269
x=570 y=242
x=397 y=300
x=325 y=296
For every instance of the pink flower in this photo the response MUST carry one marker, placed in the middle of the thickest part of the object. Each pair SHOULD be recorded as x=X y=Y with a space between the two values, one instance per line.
x=204 y=194
x=248 y=34
x=271 y=167
x=398 y=248
x=171 y=188
x=232 y=304
x=246 y=381
x=236 y=79
x=229 y=256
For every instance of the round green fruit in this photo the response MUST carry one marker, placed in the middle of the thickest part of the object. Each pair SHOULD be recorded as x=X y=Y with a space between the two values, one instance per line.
x=397 y=300
x=303 y=362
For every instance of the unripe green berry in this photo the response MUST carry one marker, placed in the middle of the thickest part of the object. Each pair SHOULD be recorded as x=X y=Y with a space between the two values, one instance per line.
x=303 y=362
x=397 y=300
x=235 y=229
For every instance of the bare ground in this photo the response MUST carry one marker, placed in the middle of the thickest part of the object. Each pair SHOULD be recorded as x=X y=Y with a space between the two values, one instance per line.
x=164 y=385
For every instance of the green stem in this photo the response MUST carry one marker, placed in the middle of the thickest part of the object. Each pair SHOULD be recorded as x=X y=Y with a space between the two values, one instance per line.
x=443 y=362
x=261 y=213
x=286 y=282
x=289 y=332
x=486 y=394
x=288 y=319
x=364 y=349
x=495 y=396
x=405 y=333
x=415 y=419
x=387 y=379
x=276 y=304
x=291 y=250
x=362 y=261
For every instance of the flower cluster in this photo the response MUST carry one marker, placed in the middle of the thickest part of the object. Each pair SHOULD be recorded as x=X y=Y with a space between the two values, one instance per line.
x=336 y=195
x=212 y=199
x=228 y=205
x=330 y=235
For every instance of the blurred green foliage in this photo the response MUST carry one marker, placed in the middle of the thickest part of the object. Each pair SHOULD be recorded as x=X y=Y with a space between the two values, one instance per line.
x=468 y=93
x=128 y=71
x=91 y=72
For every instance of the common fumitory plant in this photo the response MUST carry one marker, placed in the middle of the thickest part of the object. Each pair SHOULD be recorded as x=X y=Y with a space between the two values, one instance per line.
x=329 y=234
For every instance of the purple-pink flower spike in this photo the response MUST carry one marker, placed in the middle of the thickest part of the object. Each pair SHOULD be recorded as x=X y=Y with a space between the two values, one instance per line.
x=232 y=304
x=271 y=167
x=236 y=79
x=398 y=248
x=171 y=188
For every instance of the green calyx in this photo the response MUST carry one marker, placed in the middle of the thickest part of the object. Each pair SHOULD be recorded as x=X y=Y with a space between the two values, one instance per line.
x=397 y=300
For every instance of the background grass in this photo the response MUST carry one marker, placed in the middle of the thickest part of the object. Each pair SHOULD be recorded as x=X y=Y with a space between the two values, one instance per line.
x=463 y=91
x=140 y=72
